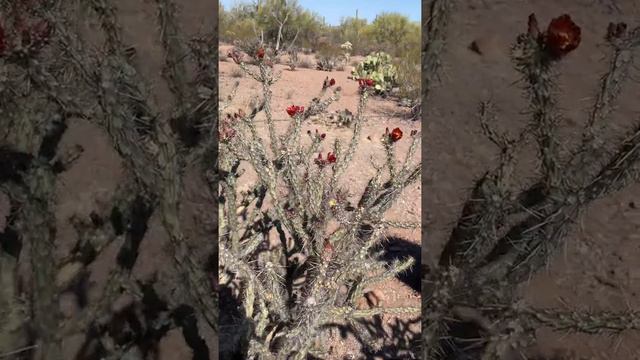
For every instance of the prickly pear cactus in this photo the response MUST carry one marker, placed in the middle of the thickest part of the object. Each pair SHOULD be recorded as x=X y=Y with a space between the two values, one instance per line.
x=378 y=67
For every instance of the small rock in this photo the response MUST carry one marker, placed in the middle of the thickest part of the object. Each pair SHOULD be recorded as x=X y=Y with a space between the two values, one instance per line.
x=475 y=47
x=490 y=47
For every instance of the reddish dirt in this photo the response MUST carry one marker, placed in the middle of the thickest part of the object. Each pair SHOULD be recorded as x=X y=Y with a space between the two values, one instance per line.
x=298 y=88
x=598 y=269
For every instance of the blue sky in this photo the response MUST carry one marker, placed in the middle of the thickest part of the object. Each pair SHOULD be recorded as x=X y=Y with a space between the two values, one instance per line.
x=333 y=10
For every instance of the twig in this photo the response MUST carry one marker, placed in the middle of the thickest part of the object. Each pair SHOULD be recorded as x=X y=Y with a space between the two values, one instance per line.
x=18 y=351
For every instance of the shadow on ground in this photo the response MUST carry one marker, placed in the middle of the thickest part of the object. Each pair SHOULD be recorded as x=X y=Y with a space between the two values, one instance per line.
x=397 y=340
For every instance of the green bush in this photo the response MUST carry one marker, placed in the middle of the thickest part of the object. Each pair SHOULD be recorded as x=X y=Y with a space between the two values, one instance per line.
x=408 y=61
x=279 y=24
x=389 y=32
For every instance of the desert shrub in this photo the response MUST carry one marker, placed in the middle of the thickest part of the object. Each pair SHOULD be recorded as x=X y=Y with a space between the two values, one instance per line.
x=408 y=65
x=285 y=23
x=409 y=84
x=238 y=30
x=511 y=225
x=237 y=73
x=276 y=22
x=352 y=30
x=305 y=63
x=293 y=59
x=328 y=55
x=249 y=47
x=326 y=63
x=343 y=118
x=297 y=250
x=309 y=28
x=389 y=30
x=380 y=68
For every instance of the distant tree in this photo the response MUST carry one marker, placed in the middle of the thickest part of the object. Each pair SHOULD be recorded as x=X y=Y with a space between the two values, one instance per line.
x=281 y=23
x=389 y=30
x=352 y=29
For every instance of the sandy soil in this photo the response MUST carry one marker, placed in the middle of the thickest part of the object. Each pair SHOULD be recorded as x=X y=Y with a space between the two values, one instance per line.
x=599 y=268
x=298 y=88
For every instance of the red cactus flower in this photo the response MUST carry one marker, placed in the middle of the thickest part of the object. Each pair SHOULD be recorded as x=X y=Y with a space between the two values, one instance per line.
x=562 y=36
x=260 y=53
x=331 y=158
x=225 y=131
x=396 y=134
x=332 y=82
x=293 y=110
x=318 y=134
x=365 y=83
x=327 y=250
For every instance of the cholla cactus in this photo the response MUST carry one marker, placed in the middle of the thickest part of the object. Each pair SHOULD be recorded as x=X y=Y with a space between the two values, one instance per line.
x=53 y=78
x=327 y=248
x=347 y=47
x=503 y=237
